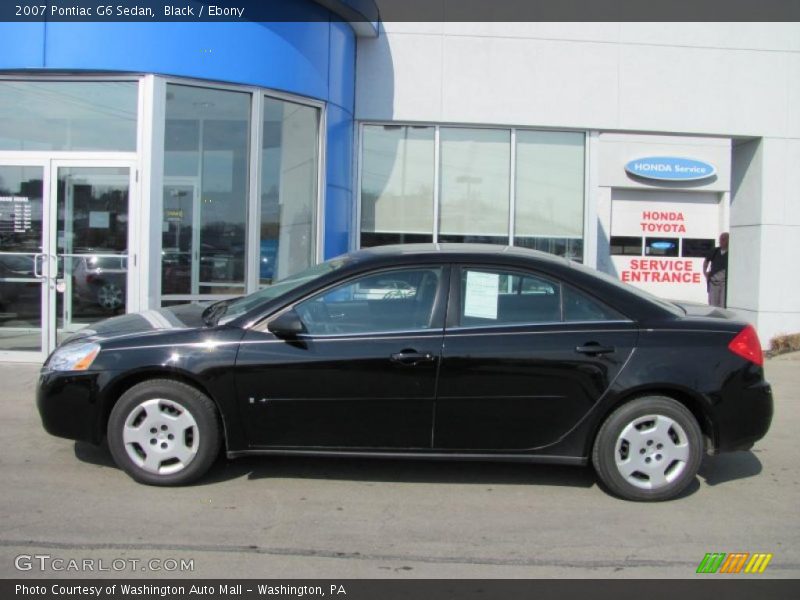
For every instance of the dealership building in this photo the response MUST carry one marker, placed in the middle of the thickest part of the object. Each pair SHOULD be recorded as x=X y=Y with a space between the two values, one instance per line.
x=151 y=164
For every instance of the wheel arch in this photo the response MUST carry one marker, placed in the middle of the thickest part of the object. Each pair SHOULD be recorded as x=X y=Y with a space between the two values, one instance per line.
x=119 y=386
x=691 y=400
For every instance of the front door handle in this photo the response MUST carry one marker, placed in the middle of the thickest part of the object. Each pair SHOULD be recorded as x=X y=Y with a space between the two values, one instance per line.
x=412 y=358
x=594 y=349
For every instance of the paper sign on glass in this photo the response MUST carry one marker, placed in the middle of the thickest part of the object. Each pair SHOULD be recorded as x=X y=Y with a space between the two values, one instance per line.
x=99 y=219
x=481 y=295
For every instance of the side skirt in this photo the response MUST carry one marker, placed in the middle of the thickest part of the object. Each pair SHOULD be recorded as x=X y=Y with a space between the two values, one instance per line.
x=526 y=458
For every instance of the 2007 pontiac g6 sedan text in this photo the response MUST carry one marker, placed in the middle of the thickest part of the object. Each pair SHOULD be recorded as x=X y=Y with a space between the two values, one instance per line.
x=437 y=351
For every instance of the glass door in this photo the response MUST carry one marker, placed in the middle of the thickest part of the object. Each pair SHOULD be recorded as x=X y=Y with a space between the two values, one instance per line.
x=90 y=244
x=180 y=244
x=23 y=261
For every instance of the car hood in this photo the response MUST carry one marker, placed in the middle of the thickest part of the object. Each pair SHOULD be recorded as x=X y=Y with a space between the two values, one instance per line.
x=181 y=317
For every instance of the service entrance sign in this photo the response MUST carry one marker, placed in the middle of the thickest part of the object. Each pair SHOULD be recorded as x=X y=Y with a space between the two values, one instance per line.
x=660 y=239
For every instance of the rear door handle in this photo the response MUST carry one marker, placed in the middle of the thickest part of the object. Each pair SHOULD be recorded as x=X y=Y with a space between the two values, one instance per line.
x=412 y=358
x=593 y=348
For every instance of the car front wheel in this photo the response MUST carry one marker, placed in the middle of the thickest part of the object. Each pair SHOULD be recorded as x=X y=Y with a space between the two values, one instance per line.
x=648 y=449
x=164 y=432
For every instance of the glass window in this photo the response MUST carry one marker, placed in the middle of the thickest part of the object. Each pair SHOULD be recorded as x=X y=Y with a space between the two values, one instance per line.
x=397 y=185
x=549 y=189
x=580 y=307
x=661 y=246
x=626 y=245
x=398 y=300
x=504 y=297
x=475 y=174
x=68 y=115
x=206 y=184
x=697 y=247
x=571 y=248
x=474 y=179
x=289 y=167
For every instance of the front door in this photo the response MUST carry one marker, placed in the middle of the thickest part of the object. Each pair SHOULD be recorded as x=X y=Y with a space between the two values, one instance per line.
x=65 y=227
x=362 y=377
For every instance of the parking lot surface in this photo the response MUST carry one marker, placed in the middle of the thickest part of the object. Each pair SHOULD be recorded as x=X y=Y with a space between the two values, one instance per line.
x=348 y=518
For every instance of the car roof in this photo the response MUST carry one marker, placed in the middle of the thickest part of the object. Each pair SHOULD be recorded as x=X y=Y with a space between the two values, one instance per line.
x=452 y=251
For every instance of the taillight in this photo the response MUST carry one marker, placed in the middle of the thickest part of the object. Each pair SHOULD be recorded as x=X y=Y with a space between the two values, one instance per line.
x=746 y=345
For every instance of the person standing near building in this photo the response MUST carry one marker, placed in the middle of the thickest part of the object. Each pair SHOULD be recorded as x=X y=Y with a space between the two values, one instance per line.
x=715 y=268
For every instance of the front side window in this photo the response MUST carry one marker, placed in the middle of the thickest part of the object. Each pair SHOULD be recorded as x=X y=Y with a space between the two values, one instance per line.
x=388 y=301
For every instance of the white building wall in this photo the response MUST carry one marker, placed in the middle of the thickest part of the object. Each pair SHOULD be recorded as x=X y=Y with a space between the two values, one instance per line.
x=731 y=80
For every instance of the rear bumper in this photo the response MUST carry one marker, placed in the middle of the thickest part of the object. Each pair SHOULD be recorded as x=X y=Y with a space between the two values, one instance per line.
x=747 y=420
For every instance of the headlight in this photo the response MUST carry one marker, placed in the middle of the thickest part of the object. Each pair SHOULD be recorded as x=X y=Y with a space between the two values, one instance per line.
x=73 y=357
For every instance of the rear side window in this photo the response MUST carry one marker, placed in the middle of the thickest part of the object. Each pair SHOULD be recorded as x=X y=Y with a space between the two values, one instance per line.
x=497 y=297
x=491 y=297
x=580 y=307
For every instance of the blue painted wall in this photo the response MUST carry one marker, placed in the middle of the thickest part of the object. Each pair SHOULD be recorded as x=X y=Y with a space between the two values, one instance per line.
x=314 y=58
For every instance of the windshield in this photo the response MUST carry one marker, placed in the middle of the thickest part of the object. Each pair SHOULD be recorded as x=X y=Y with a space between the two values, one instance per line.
x=239 y=306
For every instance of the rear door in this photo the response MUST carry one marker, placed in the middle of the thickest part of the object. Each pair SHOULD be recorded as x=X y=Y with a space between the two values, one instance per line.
x=364 y=374
x=525 y=358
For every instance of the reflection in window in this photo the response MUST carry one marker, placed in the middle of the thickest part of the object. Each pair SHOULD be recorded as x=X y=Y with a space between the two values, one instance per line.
x=68 y=115
x=661 y=246
x=626 y=245
x=400 y=300
x=20 y=211
x=571 y=248
x=580 y=307
x=288 y=189
x=205 y=190
x=475 y=174
x=549 y=191
x=697 y=247
x=397 y=185
x=398 y=180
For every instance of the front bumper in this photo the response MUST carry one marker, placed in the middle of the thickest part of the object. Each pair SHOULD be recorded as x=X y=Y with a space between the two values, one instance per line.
x=70 y=405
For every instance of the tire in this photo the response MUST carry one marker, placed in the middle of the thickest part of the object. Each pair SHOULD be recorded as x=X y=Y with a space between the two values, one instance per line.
x=163 y=432
x=648 y=449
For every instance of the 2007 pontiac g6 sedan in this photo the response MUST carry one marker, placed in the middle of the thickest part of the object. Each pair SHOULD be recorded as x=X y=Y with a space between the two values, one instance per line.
x=438 y=351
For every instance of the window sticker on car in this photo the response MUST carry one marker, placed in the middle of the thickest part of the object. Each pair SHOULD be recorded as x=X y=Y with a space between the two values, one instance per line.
x=481 y=295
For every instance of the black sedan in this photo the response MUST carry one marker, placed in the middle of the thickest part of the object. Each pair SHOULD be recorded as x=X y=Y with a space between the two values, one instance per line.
x=438 y=351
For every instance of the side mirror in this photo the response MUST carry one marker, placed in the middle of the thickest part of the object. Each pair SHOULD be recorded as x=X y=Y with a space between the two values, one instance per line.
x=287 y=325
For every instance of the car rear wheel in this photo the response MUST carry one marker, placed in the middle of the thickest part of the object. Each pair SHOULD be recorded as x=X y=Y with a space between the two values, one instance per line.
x=648 y=449
x=164 y=432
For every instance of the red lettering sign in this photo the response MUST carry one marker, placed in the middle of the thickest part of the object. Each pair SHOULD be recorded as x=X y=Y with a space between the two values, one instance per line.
x=660 y=270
